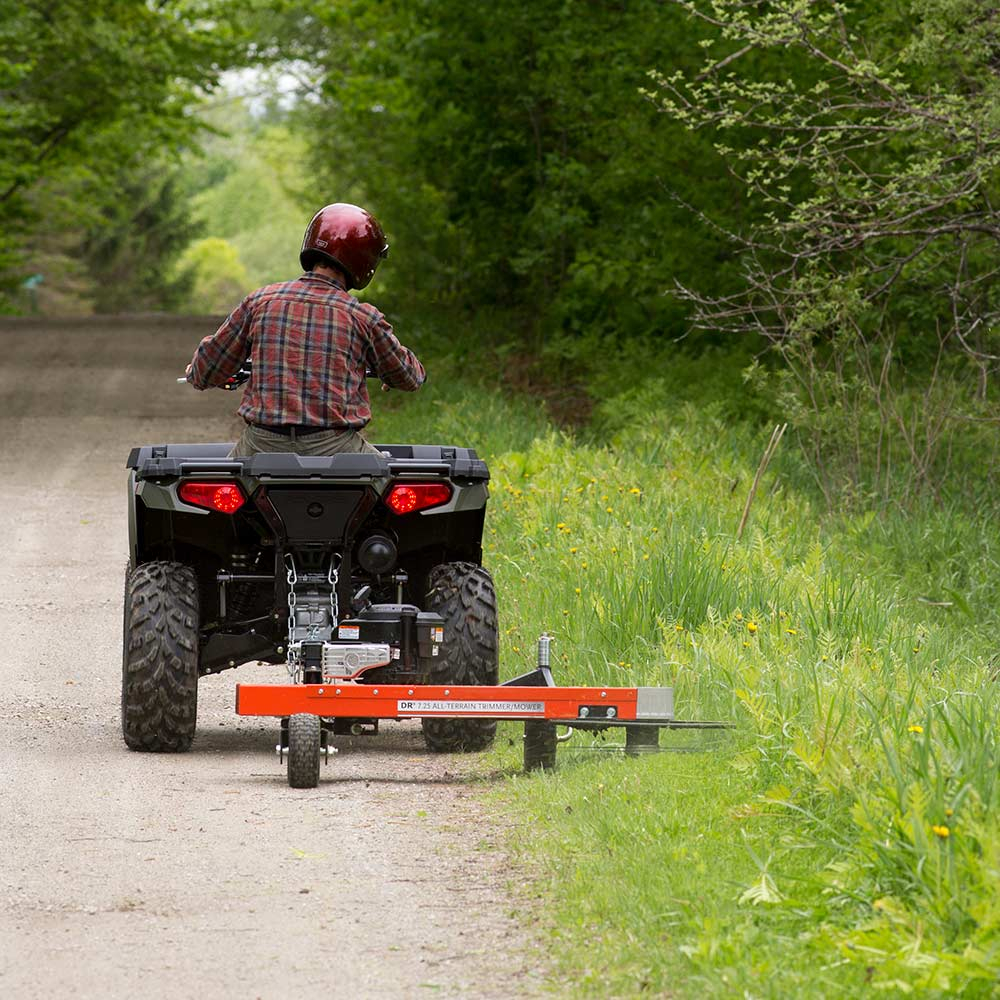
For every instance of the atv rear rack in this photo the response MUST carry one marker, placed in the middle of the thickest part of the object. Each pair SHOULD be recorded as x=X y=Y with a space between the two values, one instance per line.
x=532 y=698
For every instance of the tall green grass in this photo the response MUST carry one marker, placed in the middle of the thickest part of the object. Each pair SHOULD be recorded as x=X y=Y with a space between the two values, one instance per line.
x=845 y=837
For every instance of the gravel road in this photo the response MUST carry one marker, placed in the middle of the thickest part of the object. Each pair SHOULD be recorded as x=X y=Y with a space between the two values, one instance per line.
x=199 y=874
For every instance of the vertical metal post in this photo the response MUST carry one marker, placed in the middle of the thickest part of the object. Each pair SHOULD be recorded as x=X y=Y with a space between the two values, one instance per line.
x=544 y=650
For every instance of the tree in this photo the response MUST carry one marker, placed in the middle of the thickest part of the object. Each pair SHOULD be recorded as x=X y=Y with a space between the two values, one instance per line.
x=513 y=159
x=217 y=275
x=254 y=193
x=873 y=153
x=130 y=249
x=88 y=87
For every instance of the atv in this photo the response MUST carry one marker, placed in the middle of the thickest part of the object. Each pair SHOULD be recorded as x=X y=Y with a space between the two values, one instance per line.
x=358 y=576
x=353 y=568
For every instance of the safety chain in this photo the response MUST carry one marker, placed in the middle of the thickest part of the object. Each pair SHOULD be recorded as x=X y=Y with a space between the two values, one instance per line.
x=292 y=577
x=334 y=578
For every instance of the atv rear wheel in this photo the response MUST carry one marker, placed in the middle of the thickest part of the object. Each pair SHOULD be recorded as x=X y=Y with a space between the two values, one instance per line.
x=463 y=594
x=160 y=657
x=304 y=743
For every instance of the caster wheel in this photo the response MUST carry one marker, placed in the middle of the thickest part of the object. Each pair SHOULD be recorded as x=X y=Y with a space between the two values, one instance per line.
x=303 y=751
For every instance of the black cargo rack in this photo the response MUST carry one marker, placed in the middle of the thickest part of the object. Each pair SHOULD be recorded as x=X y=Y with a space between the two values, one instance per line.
x=154 y=461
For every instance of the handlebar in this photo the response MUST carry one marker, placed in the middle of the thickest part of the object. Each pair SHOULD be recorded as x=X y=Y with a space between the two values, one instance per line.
x=243 y=376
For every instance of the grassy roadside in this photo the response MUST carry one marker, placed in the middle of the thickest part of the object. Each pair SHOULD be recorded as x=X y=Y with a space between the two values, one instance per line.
x=845 y=836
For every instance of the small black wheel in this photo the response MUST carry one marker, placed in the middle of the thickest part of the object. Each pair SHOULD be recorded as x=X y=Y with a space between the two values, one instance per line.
x=160 y=657
x=463 y=594
x=539 y=745
x=641 y=739
x=303 y=751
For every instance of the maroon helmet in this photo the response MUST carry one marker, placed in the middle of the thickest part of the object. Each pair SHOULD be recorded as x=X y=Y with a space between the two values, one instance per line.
x=348 y=237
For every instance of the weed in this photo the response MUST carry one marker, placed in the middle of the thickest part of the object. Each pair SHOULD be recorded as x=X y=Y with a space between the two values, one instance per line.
x=846 y=836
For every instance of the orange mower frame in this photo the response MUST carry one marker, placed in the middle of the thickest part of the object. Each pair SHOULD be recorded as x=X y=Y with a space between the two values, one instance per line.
x=532 y=698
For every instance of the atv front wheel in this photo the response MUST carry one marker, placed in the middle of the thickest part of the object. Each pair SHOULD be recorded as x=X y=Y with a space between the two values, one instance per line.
x=160 y=657
x=463 y=594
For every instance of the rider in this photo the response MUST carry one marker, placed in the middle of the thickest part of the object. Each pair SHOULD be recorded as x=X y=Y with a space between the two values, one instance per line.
x=310 y=344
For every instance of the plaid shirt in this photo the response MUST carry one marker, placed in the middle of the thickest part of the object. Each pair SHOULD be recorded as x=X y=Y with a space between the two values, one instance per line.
x=310 y=343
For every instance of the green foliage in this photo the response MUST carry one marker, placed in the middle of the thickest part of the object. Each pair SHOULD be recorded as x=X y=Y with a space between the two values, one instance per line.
x=819 y=173
x=131 y=246
x=92 y=90
x=873 y=153
x=216 y=275
x=844 y=837
x=520 y=166
x=251 y=187
x=800 y=636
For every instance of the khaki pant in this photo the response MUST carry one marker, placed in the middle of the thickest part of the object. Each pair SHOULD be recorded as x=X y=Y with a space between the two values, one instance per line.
x=255 y=440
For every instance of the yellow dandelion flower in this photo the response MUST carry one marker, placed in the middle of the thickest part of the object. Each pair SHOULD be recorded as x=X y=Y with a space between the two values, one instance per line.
x=565 y=613
x=679 y=628
x=738 y=616
x=578 y=591
x=949 y=813
x=609 y=510
x=573 y=551
x=517 y=649
x=656 y=531
x=614 y=551
x=941 y=831
x=583 y=565
x=635 y=491
x=792 y=631
x=745 y=645
x=645 y=555
x=621 y=663
x=915 y=729
x=751 y=627
x=561 y=525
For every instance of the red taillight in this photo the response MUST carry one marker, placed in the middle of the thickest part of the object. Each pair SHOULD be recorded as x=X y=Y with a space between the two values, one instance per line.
x=226 y=498
x=405 y=499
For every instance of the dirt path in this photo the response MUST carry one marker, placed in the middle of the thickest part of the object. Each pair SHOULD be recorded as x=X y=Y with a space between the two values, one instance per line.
x=126 y=874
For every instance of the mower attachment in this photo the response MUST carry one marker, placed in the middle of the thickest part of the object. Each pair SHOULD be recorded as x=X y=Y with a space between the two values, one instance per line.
x=533 y=698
